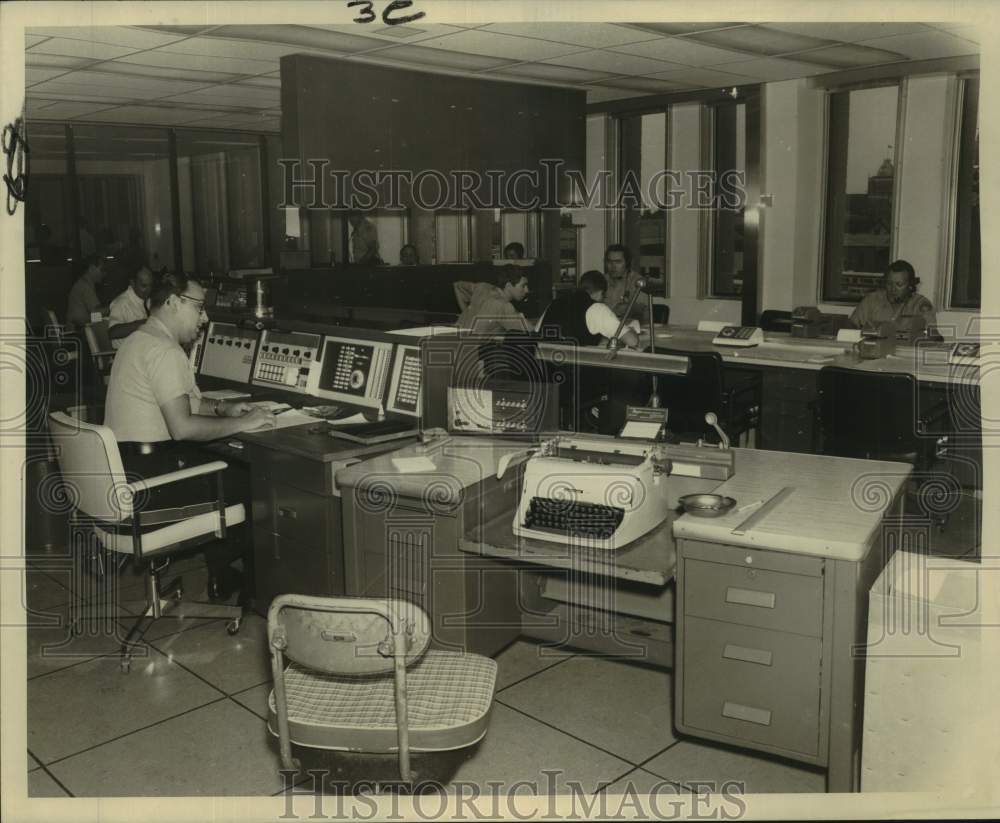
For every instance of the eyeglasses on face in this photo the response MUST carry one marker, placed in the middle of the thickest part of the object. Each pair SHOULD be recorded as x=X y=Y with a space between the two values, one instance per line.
x=199 y=304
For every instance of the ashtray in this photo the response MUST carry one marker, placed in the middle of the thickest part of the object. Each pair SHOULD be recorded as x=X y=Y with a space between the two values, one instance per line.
x=706 y=505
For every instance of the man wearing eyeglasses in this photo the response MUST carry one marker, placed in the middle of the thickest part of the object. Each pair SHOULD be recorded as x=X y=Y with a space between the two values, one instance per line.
x=153 y=403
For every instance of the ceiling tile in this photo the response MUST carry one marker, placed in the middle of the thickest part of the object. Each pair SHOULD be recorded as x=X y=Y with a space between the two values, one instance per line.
x=602 y=95
x=759 y=40
x=773 y=69
x=127 y=36
x=490 y=44
x=31 y=39
x=562 y=74
x=158 y=72
x=406 y=34
x=221 y=96
x=847 y=32
x=222 y=47
x=850 y=55
x=442 y=58
x=684 y=51
x=306 y=36
x=594 y=35
x=34 y=74
x=703 y=78
x=925 y=46
x=58 y=90
x=55 y=61
x=66 y=110
x=130 y=85
x=227 y=65
x=264 y=82
x=682 y=28
x=973 y=34
x=649 y=85
x=80 y=48
x=611 y=62
x=144 y=114
x=178 y=29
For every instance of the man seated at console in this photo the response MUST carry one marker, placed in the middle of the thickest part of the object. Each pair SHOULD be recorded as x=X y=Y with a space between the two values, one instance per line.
x=622 y=283
x=581 y=315
x=408 y=255
x=149 y=406
x=128 y=310
x=83 y=301
x=513 y=251
x=897 y=300
x=489 y=309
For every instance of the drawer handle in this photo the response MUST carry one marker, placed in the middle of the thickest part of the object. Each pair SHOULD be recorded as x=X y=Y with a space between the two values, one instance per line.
x=747 y=655
x=338 y=637
x=291 y=514
x=738 y=711
x=749 y=597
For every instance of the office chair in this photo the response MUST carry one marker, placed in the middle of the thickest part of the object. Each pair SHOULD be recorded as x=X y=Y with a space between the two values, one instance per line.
x=734 y=396
x=661 y=311
x=360 y=678
x=878 y=416
x=108 y=505
x=102 y=353
x=775 y=320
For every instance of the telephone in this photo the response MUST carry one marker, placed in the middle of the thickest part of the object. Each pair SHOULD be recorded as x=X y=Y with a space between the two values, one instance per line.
x=739 y=336
x=964 y=354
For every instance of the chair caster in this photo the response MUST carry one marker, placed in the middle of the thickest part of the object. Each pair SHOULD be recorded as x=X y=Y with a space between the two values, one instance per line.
x=233 y=626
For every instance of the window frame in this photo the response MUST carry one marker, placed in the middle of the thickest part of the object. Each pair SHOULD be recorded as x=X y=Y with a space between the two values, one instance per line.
x=951 y=217
x=711 y=216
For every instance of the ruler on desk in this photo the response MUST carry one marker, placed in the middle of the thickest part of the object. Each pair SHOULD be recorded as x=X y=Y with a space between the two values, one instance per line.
x=770 y=505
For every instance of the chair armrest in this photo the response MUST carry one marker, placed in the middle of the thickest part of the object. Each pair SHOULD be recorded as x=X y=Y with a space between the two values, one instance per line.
x=177 y=476
x=108 y=353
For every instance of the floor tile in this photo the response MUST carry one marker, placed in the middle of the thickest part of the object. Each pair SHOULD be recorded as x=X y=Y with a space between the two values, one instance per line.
x=41 y=784
x=56 y=643
x=693 y=760
x=78 y=707
x=229 y=662
x=172 y=759
x=517 y=747
x=620 y=707
x=523 y=658
x=182 y=616
x=32 y=763
x=43 y=589
x=641 y=782
x=255 y=699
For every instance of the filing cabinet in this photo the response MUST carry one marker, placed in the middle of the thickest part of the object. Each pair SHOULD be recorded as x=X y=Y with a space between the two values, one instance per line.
x=769 y=652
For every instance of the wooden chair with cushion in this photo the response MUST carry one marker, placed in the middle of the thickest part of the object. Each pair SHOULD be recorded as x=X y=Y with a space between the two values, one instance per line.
x=361 y=678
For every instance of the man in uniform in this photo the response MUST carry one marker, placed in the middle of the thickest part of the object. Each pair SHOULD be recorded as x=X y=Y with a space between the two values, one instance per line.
x=897 y=301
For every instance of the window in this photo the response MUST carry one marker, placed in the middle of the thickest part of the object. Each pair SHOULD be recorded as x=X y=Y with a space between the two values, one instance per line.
x=569 y=248
x=729 y=164
x=48 y=219
x=642 y=159
x=966 y=263
x=219 y=185
x=859 y=198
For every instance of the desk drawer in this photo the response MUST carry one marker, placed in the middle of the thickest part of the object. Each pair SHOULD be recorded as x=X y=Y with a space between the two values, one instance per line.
x=299 y=515
x=752 y=684
x=754 y=597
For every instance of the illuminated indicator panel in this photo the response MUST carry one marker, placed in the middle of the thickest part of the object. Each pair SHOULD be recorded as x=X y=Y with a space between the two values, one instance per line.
x=351 y=371
x=404 y=387
x=285 y=359
x=228 y=352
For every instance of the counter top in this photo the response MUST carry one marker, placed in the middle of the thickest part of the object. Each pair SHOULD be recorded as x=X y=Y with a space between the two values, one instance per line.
x=834 y=509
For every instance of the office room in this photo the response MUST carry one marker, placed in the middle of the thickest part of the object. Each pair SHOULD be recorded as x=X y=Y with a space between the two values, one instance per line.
x=416 y=402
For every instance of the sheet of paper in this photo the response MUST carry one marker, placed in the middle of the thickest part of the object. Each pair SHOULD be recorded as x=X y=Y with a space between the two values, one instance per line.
x=642 y=429
x=347 y=421
x=411 y=465
x=225 y=394
x=272 y=406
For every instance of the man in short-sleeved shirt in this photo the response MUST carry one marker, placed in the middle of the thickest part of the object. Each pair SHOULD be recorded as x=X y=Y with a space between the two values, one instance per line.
x=128 y=310
x=488 y=308
x=622 y=283
x=581 y=315
x=897 y=301
x=83 y=301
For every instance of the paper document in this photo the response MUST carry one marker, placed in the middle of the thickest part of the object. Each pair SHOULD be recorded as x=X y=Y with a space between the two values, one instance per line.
x=348 y=421
x=283 y=420
x=411 y=465
x=641 y=429
x=272 y=406
x=225 y=394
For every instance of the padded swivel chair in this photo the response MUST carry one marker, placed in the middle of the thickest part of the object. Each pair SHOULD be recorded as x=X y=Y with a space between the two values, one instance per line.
x=102 y=355
x=109 y=506
x=360 y=678
x=734 y=397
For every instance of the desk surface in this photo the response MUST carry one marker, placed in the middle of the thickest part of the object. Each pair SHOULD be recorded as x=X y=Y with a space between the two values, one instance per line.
x=927 y=362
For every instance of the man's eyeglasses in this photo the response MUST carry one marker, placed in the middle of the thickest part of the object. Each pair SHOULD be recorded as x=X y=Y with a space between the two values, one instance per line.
x=200 y=304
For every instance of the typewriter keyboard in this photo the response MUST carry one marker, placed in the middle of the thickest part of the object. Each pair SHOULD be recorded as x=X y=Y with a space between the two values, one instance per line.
x=588 y=519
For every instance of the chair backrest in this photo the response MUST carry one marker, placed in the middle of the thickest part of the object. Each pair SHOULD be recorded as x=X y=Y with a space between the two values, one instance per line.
x=775 y=320
x=53 y=322
x=867 y=414
x=689 y=396
x=345 y=635
x=98 y=337
x=91 y=467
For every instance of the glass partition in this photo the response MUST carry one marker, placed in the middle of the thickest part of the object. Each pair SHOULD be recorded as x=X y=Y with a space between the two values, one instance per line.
x=48 y=218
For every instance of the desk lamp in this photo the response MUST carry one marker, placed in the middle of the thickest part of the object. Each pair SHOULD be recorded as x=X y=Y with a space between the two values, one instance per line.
x=614 y=344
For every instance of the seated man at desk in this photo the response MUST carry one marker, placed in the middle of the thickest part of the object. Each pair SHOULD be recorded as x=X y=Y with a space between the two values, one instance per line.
x=408 y=255
x=622 y=283
x=148 y=404
x=128 y=310
x=513 y=251
x=582 y=315
x=83 y=300
x=897 y=301
x=488 y=308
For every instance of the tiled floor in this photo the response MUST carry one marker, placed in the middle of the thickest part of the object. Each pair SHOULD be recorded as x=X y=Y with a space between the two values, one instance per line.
x=189 y=718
